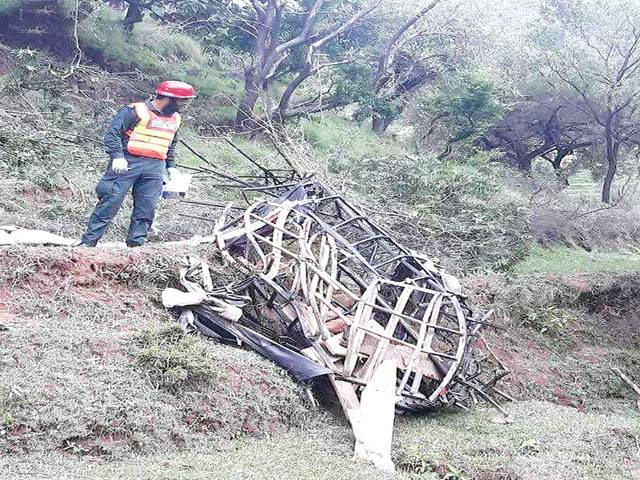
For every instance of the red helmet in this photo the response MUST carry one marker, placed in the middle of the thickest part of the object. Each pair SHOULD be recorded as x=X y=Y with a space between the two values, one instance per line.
x=172 y=88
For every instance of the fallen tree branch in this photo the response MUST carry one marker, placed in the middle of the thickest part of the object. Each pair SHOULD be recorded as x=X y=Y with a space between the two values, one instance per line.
x=629 y=382
x=75 y=63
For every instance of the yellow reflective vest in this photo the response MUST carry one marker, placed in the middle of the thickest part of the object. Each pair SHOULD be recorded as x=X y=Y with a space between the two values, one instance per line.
x=153 y=134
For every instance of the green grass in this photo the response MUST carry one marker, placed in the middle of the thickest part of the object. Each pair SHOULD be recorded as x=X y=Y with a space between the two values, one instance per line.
x=545 y=441
x=569 y=261
x=582 y=182
x=157 y=52
x=8 y=6
x=91 y=365
x=340 y=141
x=327 y=132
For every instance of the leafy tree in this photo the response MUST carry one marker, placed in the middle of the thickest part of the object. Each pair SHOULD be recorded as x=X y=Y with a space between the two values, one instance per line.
x=592 y=47
x=543 y=127
x=305 y=30
x=466 y=104
x=209 y=21
x=402 y=67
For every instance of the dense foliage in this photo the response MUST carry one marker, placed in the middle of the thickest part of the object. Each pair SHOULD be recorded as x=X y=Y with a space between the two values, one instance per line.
x=555 y=84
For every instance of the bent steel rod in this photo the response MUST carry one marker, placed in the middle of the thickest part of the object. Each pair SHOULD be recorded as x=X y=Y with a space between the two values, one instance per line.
x=210 y=204
x=266 y=171
x=213 y=172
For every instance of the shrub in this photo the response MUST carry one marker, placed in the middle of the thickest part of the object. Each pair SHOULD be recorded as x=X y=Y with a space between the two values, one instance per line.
x=156 y=51
x=458 y=209
x=103 y=35
x=171 y=358
x=536 y=302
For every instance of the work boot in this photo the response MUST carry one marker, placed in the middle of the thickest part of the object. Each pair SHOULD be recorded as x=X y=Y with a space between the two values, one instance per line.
x=84 y=244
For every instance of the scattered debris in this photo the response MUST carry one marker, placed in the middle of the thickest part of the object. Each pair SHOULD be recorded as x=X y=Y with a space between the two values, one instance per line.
x=328 y=292
x=12 y=235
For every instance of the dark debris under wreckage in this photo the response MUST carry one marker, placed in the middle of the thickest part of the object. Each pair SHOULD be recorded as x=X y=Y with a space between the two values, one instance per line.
x=329 y=292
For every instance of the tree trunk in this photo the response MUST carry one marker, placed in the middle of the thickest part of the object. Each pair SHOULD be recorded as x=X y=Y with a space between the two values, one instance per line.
x=379 y=124
x=244 y=116
x=612 y=167
x=385 y=61
x=613 y=147
x=134 y=15
x=285 y=101
x=522 y=157
x=608 y=180
x=561 y=153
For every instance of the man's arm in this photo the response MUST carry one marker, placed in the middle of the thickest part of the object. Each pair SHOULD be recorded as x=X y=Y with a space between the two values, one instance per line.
x=124 y=120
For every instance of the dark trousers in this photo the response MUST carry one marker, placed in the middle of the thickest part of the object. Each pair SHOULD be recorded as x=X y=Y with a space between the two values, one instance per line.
x=144 y=178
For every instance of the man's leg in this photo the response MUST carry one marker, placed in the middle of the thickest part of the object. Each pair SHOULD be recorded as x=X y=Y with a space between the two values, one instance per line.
x=111 y=190
x=146 y=193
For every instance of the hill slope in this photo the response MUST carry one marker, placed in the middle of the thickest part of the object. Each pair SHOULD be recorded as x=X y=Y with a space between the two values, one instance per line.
x=98 y=381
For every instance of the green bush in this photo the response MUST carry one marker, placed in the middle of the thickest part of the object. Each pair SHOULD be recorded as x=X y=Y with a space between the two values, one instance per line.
x=172 y=358
x=156 y=51
x=458 y=209
x=383 y=165
x=425 y=182
x=103 y=35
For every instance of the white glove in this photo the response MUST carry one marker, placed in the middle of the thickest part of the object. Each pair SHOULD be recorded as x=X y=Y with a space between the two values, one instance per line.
x=119 y=165
x=171 y=171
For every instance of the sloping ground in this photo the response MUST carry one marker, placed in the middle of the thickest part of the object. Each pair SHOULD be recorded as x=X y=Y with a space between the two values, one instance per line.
x=51 y=153
x=91 y=365
x=546 y=442
x=560 y=335
x=97 y=381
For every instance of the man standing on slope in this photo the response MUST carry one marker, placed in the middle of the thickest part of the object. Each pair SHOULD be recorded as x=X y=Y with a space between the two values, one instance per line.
x=141 y=145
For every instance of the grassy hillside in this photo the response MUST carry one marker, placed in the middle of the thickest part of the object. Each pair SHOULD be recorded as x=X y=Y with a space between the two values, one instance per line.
x=98 y=381
x=92 y=365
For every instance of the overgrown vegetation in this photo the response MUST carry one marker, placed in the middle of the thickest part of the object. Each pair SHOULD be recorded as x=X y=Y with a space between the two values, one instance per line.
x=91 y=366
x=172 y=359
x=157 y=51
x=560 y=334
